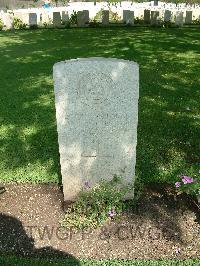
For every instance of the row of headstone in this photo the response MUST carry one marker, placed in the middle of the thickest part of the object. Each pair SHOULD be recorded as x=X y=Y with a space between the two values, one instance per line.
x=150 y=17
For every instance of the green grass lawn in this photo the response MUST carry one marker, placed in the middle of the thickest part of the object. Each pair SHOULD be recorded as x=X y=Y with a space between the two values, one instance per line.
x=169 y=120
x=17 y=261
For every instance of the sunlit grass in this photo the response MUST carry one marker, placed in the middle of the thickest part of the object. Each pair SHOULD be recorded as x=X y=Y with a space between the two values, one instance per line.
x=169 y=120
x=86 y=262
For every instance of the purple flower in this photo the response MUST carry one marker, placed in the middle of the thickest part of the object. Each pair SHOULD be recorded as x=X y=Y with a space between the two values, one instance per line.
x=87 y=184
x=177 y=184
x=187 y=179
x=111 y=213
x=178 y=251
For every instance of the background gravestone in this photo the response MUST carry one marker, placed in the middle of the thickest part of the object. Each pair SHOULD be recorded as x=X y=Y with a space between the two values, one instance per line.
x=167 y=15
x=154 y=17
x=179 y=18
x=97 y=114
x=125 y=14
x=128 y=17
x=147 y=16
x=82 y=18
x=56 y=19
x=188 y=18
x=86 y=16
x=32 y=19
x=65 y=16
x=105 y=17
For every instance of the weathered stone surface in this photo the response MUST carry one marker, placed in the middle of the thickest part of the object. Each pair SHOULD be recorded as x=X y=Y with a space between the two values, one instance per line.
x=105 y=17
x=82 y=18
x=128 y=17
x=65 y=16
x=179 y=18
x=147 y=16
x=97 y=113
x=188 y=18
x=154 y=17
x=167 y=15
x=56 y=19
x=32 y=19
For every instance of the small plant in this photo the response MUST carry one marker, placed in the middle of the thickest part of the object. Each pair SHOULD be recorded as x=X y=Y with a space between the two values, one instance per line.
x=67 y=24
x=138 y=21
x=196 y=21
x=98 y=16
x=113 y=16
x=33 y=27
x=1 y=24
x=73 y=18
x=94 y=24
x=96 y=205
x=166 y=24
x=18 y=24
x=189 y=185
x=47 y=24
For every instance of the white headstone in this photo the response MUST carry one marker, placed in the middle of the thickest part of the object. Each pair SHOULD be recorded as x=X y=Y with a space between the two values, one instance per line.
x=154 y=17
x=82 y=18
x=147 y=16
x=179 y=18
x=188 y=18
x=86 y=16
x=97 y=113
x=167 y=15
x=128 y=17
x=65 y=16
x=56 y=19
x=105 y=17
x=32 y=19
x=125 y=15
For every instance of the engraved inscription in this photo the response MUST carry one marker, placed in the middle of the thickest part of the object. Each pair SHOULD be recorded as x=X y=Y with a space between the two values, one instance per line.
x=95 y=98
x=96 y=91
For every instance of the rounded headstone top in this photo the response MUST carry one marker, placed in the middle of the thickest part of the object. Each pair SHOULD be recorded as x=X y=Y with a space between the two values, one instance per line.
x=97 y=59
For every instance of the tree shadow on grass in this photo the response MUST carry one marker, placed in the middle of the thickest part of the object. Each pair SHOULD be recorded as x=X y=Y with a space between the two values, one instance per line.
x=168 y=106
